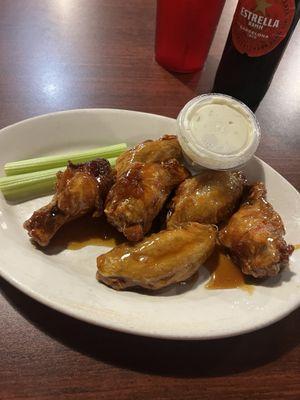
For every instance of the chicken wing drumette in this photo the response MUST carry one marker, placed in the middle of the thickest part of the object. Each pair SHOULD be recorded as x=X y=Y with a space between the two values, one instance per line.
x=159 y=260
x=254 y=236
x=80 y=189
x=139 y=194
x=209 y=198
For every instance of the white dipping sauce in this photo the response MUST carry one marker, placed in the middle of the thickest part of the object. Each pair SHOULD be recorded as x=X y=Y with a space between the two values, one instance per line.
x=217 y=132
x=221 y=129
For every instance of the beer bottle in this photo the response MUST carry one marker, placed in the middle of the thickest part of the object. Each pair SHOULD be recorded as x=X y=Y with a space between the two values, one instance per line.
x=258 y=36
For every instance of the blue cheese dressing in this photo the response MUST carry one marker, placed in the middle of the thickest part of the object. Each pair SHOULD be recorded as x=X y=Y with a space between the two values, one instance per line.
x=217 y=132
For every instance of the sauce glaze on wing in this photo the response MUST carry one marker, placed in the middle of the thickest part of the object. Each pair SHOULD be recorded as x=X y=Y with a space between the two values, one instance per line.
x=139 y=194
x=80 y=189
x=209 y=197
x=161 y=259
x=254 y=236
x=163 y=149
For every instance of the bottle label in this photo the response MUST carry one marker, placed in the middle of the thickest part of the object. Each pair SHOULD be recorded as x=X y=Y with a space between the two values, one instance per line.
x=260 y=25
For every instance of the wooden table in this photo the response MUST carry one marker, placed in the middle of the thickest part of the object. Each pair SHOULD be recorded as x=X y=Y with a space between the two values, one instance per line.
x=63 y=54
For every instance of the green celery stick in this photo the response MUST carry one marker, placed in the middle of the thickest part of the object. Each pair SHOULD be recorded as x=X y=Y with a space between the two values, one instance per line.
x=50 y=162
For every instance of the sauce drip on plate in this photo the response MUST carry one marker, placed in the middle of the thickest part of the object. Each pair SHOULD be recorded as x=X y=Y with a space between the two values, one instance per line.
x=224 y=273
x=87 y=231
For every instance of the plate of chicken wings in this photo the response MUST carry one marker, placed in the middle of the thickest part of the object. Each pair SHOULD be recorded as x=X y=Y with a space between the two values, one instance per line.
x=160 y=232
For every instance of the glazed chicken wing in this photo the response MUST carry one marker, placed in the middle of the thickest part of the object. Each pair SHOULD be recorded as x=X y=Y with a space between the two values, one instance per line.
x=80 y=189
x=139 y=194
x=209 y=197
x=163 y=149
x=254 y=236
x=159 y=260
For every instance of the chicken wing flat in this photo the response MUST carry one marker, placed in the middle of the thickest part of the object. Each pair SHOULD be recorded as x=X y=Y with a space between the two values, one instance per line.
x=80 y=189
x=254 y=236
x=159 y=260
x=139 y=194
x=209 y=198
x=163 y=149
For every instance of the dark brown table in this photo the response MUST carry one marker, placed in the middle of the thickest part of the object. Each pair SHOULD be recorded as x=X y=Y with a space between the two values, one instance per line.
x=63 y=54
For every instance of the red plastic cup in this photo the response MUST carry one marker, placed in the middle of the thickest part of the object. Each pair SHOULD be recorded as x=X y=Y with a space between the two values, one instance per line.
x=184 y=32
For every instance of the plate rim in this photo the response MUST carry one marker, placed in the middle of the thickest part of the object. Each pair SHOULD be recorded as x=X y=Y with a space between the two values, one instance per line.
x=78 y=110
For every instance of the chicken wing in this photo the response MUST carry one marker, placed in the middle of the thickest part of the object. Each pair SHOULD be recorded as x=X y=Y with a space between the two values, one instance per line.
x=163 y=149
x=159 y=260
x=139 y=194
x=209 y=197
x=254 y=236
x=80 y=189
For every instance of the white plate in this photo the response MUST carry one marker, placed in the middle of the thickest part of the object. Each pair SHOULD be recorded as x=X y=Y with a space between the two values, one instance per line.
x=66 y=281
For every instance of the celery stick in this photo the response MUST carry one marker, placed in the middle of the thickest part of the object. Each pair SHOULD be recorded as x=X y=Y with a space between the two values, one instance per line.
x=50 y=162
x=34 y=184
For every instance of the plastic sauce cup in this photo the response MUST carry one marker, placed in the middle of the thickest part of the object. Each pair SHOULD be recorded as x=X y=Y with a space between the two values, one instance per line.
x=218 y=132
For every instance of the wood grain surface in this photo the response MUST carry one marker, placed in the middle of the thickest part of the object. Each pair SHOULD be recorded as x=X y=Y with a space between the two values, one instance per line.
x=64 y=54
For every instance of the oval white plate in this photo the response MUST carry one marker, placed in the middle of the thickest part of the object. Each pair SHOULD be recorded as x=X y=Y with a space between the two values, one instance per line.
x=66 y=281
